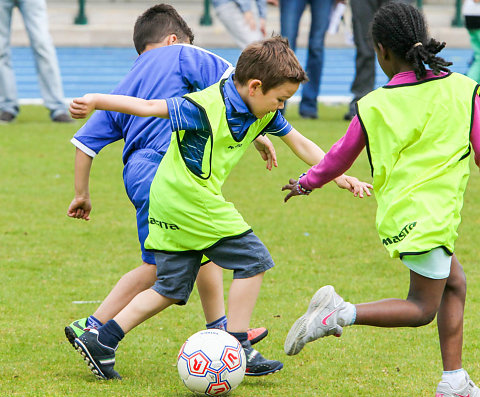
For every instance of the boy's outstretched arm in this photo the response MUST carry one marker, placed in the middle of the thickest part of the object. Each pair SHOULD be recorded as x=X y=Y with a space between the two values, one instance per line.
x=311 y=154
x=81 y=205
x=82 y=107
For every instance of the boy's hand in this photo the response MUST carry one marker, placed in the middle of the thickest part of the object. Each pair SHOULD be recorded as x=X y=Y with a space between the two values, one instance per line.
x=267 y=151
x=80 y=208
x=355 y=186
x=263 y=26
x=250 y=20
x=82 y=107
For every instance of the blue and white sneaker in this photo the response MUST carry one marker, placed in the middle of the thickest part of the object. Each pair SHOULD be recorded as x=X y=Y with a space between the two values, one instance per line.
x=99 y=358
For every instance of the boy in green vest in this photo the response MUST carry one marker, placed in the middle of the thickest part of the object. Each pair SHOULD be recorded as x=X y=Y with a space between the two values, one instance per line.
x=188 y=216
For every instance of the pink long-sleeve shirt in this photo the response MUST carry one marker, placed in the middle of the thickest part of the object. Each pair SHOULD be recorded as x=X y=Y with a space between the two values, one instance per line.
x=344 y=152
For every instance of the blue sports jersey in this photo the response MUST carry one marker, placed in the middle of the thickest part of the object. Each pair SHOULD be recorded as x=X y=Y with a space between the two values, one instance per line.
x=164 y=72
x=184 y=115
x=158 y=73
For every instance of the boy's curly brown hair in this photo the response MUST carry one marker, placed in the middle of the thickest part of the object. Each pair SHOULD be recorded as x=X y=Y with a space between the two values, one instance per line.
x=271 y=61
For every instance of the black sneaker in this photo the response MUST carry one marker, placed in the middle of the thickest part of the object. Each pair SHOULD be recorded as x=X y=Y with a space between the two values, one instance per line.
x=100 y=358
x=62 y=118
x=257 y=365
x=308 y=115
x=6 y=117
x=75 y=330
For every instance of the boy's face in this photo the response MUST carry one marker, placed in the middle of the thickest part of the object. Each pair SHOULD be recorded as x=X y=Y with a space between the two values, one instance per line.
x=260 y=104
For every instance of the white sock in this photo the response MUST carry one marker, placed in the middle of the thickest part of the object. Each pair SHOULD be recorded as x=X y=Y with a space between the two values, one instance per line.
x=347 y=314
x=455 y=378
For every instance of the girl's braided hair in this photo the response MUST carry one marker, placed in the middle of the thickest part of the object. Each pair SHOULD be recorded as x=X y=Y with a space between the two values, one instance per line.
x=402 y=28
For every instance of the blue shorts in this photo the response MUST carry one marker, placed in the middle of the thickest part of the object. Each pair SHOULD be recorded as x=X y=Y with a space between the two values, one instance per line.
x=176 y=271
x=138 y=175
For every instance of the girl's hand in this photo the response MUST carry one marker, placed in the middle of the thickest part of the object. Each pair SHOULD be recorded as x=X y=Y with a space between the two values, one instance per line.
x=292 y=186
x=295 y=190
x=355 y=186
x=82 y=107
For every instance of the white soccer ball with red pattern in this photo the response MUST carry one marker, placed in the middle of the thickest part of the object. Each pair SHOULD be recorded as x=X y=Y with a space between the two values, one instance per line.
x=211 y=362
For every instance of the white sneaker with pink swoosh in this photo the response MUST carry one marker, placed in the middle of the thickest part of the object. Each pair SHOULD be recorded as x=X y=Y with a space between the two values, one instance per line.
x=469 y=389
x=321 y=319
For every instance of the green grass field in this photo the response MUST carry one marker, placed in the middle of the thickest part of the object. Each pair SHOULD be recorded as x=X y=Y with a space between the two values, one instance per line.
x=48 y=261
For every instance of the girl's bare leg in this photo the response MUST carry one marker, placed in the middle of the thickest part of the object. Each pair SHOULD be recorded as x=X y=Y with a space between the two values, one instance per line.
x=450 y=317
x=420 y=307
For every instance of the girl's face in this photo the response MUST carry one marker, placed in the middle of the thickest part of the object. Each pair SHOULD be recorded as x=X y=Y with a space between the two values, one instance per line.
x=384 y=59
x=389 y=62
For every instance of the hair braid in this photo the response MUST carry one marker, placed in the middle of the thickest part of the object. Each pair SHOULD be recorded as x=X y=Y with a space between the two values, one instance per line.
x=401 y=27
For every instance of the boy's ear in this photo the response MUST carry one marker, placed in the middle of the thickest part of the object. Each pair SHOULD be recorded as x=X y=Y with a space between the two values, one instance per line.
x=167 y=40
x=172 y=39
x=253 y=86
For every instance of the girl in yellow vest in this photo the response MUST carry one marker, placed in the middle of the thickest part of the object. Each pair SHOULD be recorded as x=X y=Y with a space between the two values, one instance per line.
x=417 y=131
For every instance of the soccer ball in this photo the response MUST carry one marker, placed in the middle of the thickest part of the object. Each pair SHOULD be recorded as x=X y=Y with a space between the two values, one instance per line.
x=211 y=363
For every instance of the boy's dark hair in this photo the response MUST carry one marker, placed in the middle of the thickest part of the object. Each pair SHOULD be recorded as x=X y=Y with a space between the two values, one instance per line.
x=271 y=61
x=157 y=23
x=402 y=28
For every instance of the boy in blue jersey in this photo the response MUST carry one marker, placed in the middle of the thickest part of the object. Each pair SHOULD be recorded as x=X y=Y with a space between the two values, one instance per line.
x=188 y=215
x=162 y=69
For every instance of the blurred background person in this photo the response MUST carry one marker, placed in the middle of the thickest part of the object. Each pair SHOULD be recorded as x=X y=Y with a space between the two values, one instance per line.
x=471 y=12
x=290 y=14
x=365 y=61
x=34 y=13
x=240 y=19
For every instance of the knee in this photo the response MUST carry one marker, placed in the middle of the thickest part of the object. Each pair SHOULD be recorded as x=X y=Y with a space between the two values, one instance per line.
x=426 y=317
x=457 y=281
x=426 y=312
x=143 y=276
x=317 y=46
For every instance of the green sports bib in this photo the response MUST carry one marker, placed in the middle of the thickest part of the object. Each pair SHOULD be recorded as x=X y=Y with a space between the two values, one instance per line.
x=187 y=209
x=418 y=143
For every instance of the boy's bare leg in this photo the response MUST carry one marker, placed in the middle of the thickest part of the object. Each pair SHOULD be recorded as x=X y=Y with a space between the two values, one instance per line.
x=131 y=284
x=450 y=317
x=241 y=301
x=210 y=289
x=209 y=284
x=145 y=305
x=98 y=346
